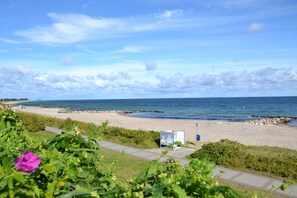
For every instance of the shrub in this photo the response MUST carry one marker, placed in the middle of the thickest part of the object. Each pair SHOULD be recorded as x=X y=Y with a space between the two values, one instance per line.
x=169 y=179
x=68 y=124
x=283 y=166
x=9 y=121
x=139 y=138
x=136 y=138
x=33 y=122
x=268 y=160
x=225 y=152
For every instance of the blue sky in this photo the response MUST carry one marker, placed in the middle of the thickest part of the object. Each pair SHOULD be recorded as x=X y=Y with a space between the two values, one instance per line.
x=147 y=49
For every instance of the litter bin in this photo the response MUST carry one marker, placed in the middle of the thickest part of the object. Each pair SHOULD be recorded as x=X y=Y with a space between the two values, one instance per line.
x=197 y=137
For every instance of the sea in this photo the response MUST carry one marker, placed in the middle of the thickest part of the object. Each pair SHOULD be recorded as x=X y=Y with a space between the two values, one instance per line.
x=224 y=109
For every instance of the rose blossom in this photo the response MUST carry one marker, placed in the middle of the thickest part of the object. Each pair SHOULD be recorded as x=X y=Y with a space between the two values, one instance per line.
x=28 y=162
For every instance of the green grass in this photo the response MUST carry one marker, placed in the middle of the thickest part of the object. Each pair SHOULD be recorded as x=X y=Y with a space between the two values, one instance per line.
x=43 y=134
x=126 y=166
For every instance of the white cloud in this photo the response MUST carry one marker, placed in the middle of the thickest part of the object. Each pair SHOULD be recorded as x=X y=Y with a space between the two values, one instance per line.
x=168 y=14
x=131 y=49
x=23 y=70
x=262 y=81
x=21 y=82
x=68 y=28
x=72 y=28
x=255 y=27
x=167 y=19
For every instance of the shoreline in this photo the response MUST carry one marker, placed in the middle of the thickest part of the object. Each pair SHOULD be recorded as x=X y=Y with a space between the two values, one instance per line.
x=128 y=112
x=259 y=120
x=262 y=120
x=209 y=130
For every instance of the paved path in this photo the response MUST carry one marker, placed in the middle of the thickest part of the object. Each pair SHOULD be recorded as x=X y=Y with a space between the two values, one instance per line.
x=248 y=179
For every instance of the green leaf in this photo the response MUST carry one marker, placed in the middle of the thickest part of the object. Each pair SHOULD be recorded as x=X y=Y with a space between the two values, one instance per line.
x=3 y=182
x=153 y=169
x=10 y=182
x=37 y=191
x=83 y=175
x=8 y=124
x=6 y=162
x=4 y=130
x=11 y=117
x=158 y=189
x=19 y=177
x=179 y=191
x=283 y=187
x=50 y=168
x=79 y=188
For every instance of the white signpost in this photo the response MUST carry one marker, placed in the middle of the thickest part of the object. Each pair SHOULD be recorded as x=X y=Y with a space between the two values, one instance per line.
x=197 y=134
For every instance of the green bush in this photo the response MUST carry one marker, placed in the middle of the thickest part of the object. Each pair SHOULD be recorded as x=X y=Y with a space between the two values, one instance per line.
x=136 y=138
x=268 y=160
x=33 y=122
x=13 y=136
x=139 y=138
x=9 y=120
x=225 y=152
x=280 y=166
x=68 y=124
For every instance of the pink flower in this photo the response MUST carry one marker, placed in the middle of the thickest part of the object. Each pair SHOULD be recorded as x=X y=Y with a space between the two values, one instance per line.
x=28 y=162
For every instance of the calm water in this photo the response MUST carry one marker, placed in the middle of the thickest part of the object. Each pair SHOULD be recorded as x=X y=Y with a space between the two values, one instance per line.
x=226 y=109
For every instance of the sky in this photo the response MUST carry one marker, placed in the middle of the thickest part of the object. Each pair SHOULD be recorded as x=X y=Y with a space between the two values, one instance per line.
x=105 y=49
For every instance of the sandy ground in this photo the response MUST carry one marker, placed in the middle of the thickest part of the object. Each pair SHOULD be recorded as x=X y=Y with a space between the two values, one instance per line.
x=210 y=131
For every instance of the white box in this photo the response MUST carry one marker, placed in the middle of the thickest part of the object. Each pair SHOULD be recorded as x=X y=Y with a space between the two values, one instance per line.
x=169 y=137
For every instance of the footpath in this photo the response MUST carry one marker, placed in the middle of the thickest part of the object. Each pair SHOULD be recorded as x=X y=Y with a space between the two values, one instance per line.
x=234 y=176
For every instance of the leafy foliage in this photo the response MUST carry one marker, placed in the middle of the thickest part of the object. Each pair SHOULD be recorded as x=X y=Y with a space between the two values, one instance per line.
x=9 y=121
x=136 y=138
x=275 y=161
x=169 y=179
x=33 y=123
x=71 y=167
x=13 y=136
x=69 y=164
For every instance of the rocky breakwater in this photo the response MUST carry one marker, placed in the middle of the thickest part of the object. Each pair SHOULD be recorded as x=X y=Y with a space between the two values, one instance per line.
x=272 y=121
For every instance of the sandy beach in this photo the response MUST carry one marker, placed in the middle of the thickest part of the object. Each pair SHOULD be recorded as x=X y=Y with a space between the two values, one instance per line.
x=210 y=131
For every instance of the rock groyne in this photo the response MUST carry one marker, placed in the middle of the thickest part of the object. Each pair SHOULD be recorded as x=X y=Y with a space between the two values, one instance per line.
x=272 y=121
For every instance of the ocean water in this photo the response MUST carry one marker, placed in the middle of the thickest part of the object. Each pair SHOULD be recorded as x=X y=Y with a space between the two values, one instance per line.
x=224 y=109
